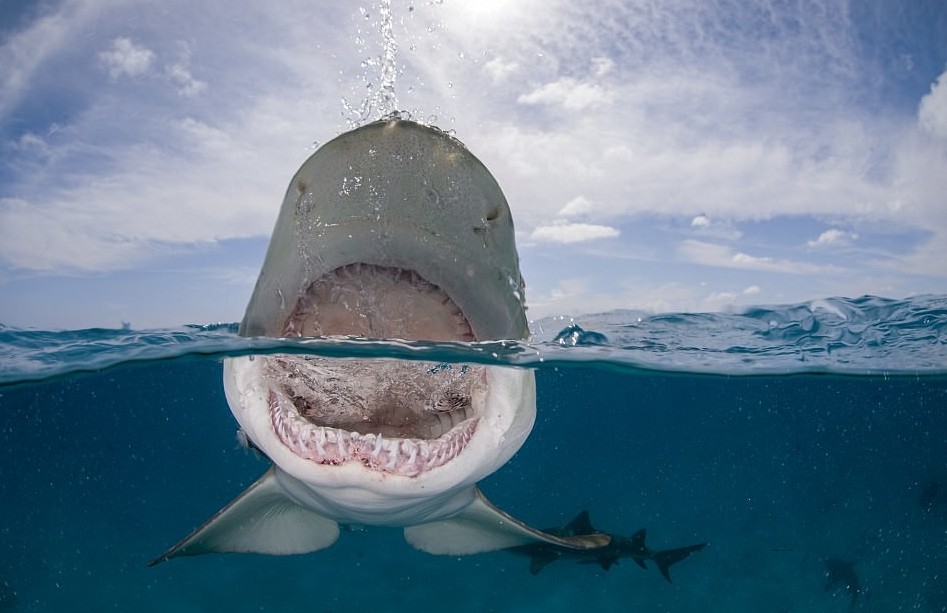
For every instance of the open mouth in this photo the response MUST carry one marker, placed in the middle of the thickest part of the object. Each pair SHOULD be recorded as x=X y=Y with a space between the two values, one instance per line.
x=394 y=416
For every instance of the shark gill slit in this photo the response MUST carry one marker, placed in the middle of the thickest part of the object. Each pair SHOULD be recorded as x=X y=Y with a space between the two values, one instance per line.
x=396 y=417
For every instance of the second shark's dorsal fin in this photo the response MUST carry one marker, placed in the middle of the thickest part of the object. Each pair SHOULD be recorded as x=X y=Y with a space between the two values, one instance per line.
x=481 y=527
x=636 y=544
x=580 y=525
x=637 y=539
x=261 y=520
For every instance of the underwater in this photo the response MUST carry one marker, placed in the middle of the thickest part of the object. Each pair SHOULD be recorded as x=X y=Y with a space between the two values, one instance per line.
x=806 y=445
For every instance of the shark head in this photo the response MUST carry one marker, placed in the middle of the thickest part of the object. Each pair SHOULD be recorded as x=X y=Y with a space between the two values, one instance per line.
x=391 y=231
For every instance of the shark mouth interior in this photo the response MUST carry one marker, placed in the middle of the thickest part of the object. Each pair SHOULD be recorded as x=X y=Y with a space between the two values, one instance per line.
x=394 y=416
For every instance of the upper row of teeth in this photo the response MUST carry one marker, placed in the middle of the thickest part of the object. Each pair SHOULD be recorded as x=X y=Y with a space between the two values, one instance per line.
x=408 y=457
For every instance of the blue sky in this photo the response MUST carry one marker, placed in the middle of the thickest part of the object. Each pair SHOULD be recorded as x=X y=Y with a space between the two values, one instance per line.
x=656 y=154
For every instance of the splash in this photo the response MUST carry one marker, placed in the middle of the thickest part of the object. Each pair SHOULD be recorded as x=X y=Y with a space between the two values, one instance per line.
x=388 y=102
x=380 y=100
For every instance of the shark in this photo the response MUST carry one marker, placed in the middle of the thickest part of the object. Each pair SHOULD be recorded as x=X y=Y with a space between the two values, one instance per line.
x=393 y=230
x=542 y=554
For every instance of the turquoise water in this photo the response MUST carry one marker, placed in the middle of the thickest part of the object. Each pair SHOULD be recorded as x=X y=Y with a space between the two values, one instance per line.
x=784 y=436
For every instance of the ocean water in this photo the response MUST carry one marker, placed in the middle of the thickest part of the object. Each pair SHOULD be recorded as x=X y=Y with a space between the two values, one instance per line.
x=782 y=436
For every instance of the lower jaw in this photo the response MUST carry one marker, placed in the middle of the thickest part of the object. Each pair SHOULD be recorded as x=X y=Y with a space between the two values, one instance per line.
x=333 y=446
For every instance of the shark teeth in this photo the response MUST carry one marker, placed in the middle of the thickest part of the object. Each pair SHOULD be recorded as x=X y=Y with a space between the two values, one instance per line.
x=333 y=446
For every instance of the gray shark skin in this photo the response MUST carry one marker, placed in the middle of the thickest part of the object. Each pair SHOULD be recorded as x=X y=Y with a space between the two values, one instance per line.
x=840 y=575
x=618 y=547
x=393 y=230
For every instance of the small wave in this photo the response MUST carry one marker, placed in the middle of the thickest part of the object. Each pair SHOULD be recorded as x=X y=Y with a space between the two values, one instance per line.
x=863 y=336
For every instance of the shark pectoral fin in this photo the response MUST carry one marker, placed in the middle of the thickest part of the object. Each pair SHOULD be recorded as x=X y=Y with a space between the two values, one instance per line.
x=481 y=527
x=542 y=560
x=261 y=520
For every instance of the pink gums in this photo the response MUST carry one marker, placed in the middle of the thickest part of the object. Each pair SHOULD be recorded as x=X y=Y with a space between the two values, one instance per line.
x=332 y=446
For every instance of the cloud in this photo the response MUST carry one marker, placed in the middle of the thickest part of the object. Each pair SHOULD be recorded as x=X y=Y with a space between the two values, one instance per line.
x=500 y=70
x=125 y=58
x=25 y=54
x=932 y=111
x=570 y=94
x=580 y=205
x=712 y=254
x=565 y=232
x=833 y=238
x=703 y=225
x=180 y=75
x=601 y=66
x=132 y=175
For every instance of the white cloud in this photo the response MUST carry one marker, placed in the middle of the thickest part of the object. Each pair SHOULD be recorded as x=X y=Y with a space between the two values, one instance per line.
x=571 y=94
x=712 y=254
x=715 y=228
x=187 y=85
x=577 y=295
x=580 y=205
x=25 y=54
x=125 y=58
x=601 y=66
x=500 y=70
x=834 y=238
x=180 y=75
x=565 y=232
x=932 y=111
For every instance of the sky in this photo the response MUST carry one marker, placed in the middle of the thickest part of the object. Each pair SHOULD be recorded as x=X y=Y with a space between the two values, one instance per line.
x=659 y=155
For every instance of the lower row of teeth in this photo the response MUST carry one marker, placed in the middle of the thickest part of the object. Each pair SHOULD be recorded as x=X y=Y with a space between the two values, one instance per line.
x=325 y=445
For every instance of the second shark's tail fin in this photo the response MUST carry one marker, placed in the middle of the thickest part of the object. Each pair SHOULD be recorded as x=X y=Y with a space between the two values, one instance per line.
x=667 y=558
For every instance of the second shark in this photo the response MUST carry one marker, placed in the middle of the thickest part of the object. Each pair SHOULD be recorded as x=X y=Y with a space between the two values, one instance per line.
x=618 y=547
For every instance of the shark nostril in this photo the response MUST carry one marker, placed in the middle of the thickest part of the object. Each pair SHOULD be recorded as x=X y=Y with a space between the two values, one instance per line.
x=493 y=215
